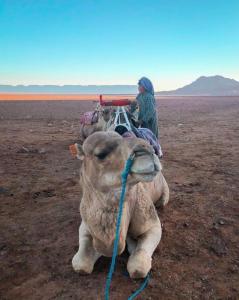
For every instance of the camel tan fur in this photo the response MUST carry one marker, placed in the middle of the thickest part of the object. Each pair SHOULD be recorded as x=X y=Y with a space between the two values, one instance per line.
x=104 y=155
x=101 y=125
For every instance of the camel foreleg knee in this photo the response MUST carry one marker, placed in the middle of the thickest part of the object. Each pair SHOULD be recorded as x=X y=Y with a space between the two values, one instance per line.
x=140 y=261
x=85 y=258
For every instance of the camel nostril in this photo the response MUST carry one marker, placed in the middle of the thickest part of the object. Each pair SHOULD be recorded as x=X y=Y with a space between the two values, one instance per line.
x=140 y=150
x=140 y=153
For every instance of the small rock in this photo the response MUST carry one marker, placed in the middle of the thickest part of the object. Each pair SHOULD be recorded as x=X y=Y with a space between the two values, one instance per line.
x=42 y=151
x=31 y=150
x=221 y=222
x=23 y=150
x=204 y=278
x=49 y=193
x=3 y=252
x=36 y=195
x=218 y=246
x=45 y=193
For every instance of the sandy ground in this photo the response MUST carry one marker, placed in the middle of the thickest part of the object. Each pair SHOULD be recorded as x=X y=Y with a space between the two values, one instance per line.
x=198 y=257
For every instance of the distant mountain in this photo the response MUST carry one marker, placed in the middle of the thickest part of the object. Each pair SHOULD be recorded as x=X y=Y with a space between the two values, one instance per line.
x=203 y=86
x=208 y=86
x=69 y=89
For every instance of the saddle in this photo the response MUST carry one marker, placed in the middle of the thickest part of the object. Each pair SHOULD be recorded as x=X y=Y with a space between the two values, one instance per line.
x=89 y=118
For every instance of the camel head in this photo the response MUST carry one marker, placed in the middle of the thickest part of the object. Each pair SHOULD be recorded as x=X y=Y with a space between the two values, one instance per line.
x=104 y=155
x=106 y=114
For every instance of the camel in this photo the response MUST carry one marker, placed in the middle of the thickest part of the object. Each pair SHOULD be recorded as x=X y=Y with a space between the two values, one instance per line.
x=101 y=125
x=103 y=156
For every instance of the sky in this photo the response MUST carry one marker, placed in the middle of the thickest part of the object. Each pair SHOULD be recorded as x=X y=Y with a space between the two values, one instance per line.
x=117 y=41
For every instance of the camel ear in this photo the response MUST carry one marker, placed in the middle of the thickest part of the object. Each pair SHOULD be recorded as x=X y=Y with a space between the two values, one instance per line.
x=77 y=151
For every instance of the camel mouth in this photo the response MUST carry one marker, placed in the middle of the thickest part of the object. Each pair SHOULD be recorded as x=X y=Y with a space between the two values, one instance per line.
x=145 y=174
x=145 y=167
x=153 y=173
x=144 y=177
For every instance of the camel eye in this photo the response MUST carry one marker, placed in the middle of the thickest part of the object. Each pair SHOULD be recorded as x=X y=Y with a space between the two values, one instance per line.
x=102 y=155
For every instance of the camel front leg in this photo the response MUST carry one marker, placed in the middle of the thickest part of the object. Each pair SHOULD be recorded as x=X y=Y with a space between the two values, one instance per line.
x=85 y=258
x=140 y=261
x=163 y=201
x=131 y=244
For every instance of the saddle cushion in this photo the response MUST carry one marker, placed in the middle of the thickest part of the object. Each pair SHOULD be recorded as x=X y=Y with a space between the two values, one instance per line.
x=89 y=118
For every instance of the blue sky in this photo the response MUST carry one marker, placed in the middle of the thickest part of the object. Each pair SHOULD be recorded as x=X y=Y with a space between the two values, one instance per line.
x=116 y=42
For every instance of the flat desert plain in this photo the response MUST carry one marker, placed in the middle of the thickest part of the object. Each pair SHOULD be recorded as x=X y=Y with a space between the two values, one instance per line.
x=198 y=256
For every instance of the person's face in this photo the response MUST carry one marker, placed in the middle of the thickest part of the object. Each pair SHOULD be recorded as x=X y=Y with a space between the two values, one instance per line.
x=141 y=89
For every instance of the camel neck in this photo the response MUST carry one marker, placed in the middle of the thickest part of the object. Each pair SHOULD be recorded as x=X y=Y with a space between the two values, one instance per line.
x=110 y=197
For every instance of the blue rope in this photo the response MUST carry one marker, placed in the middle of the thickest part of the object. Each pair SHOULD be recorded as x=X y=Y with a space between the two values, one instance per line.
x=140 y=289
x=124 y=177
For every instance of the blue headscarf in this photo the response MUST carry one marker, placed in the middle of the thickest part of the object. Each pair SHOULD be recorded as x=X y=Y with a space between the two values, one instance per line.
x=147 y=85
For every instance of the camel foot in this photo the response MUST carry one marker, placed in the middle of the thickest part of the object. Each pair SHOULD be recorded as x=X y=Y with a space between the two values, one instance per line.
x=82 y=265
x=139 y=264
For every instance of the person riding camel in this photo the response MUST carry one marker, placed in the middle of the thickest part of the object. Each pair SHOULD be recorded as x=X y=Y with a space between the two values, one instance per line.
x=148 y=117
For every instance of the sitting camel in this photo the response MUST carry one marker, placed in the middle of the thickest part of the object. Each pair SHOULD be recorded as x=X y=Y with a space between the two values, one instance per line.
x=104 y=116
x=104 y=155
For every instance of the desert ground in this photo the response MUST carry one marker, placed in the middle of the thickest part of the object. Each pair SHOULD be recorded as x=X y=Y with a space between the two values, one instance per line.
x=198 y=256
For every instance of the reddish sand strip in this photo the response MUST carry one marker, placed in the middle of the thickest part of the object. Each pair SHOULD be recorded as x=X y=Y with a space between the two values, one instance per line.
x=87 y=97
x=13 y=97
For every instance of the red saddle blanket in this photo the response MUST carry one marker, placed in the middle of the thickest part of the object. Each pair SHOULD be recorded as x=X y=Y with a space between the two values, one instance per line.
x=89 y=118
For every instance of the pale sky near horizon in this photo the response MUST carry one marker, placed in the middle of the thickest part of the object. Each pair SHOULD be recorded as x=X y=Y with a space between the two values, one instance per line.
x=117 y=42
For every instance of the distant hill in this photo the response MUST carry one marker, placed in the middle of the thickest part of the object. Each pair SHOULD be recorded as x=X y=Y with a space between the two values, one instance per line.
x=208 y=86
x=69 y=89
x=203 y=86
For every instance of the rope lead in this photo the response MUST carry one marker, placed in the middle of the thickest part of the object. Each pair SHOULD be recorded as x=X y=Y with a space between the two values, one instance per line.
x=124 y=177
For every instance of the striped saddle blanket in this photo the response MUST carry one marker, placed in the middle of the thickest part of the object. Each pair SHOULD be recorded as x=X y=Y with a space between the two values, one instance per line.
x=89 y=118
